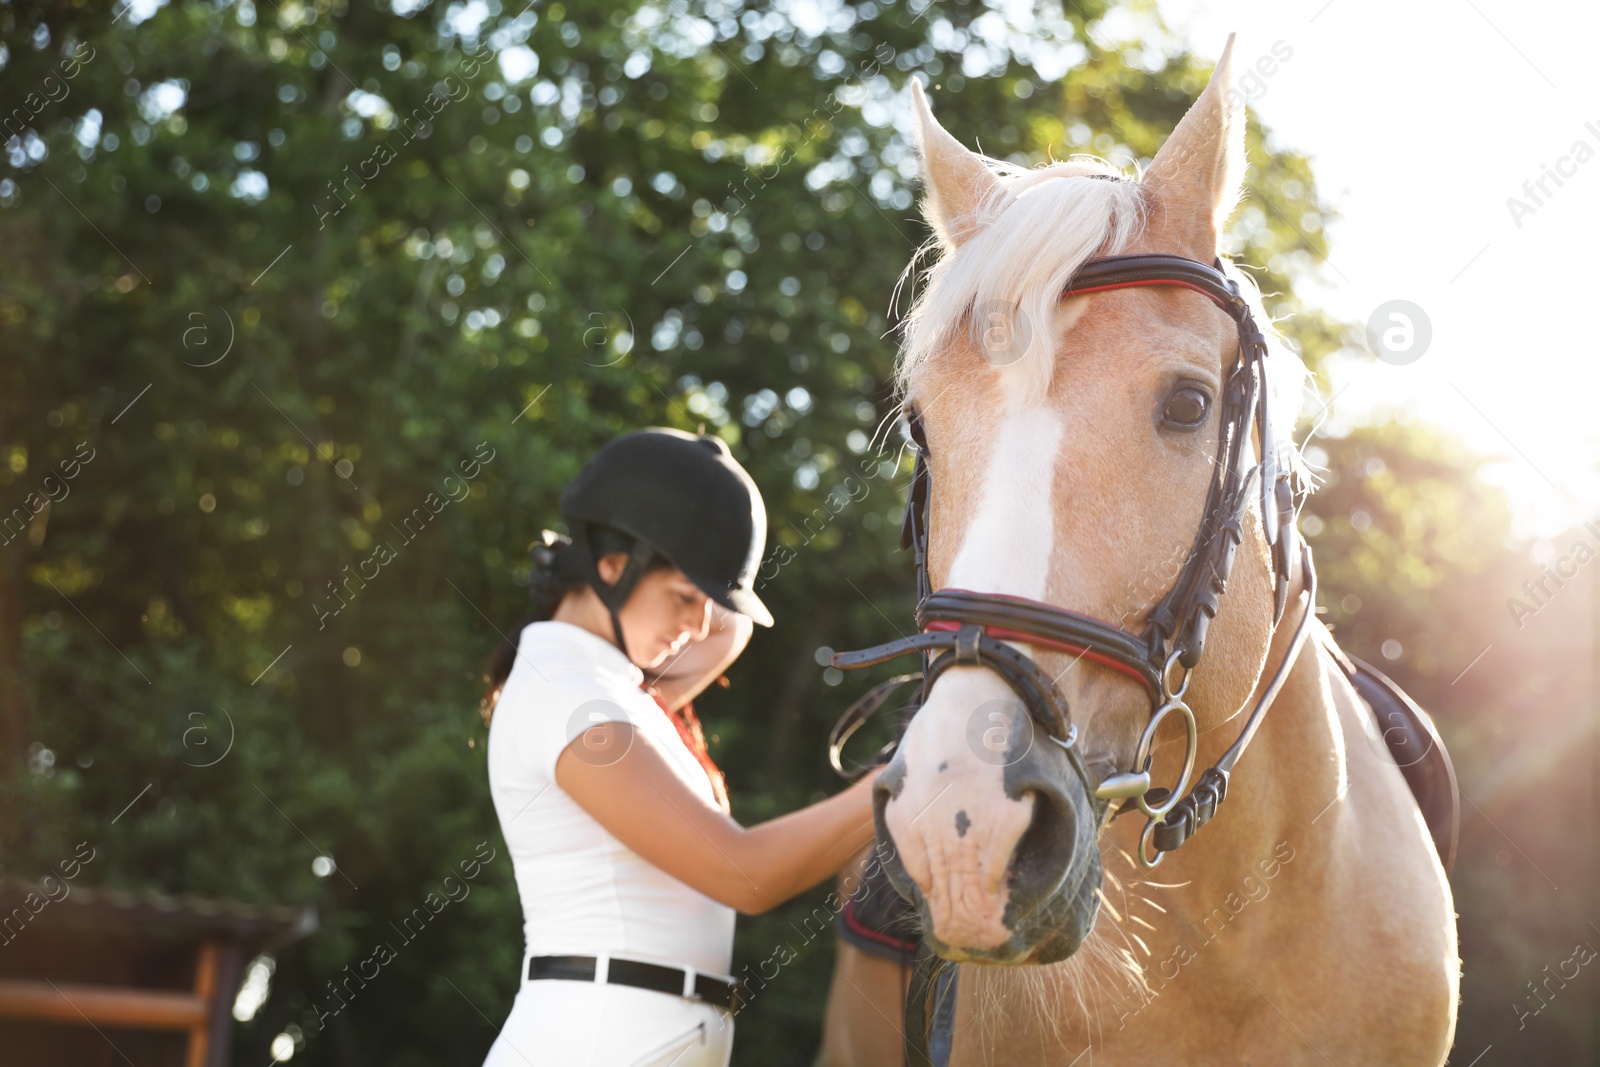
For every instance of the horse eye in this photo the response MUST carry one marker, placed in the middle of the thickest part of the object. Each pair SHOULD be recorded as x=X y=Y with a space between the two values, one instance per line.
x=1186 y=408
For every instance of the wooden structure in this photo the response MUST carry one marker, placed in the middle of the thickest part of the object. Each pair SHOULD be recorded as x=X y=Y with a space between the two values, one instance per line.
x=98 y=976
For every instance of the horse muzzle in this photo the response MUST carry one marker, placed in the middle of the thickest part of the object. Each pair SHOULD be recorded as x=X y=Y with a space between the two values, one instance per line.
x=1052 y=878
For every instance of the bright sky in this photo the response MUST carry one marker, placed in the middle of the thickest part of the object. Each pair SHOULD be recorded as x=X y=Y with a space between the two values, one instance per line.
x=1423 y=117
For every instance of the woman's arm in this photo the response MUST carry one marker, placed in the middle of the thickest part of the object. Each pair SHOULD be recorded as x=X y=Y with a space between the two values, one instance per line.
x=645 y=805
x=684 y=676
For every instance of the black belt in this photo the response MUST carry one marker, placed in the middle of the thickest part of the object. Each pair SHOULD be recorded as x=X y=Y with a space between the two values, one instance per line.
x=654 y=976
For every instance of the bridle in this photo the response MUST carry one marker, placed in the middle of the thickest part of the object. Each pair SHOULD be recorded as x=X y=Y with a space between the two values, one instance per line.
x=960 y=627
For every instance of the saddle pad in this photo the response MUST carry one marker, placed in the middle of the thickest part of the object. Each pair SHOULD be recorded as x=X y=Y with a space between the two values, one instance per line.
x=877 y=920
x=1411 y=738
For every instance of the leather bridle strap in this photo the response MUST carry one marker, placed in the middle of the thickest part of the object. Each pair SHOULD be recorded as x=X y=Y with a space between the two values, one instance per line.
x=1019 y=619
x=1157 y=268
x=969 y=646
x=1200 y=804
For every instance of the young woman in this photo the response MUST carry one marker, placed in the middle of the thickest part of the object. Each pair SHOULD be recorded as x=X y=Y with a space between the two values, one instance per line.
x=628 y=862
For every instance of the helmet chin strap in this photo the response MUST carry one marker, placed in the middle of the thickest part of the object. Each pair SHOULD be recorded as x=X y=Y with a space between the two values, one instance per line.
x=616 y=594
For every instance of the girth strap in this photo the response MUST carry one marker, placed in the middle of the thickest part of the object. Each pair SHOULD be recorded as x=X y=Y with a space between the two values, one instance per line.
x=930 y=1009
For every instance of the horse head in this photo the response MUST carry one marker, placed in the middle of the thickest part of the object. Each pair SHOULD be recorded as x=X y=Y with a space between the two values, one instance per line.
x=1071 y=445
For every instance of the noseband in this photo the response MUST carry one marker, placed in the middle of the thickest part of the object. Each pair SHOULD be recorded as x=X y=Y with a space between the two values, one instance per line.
x=960 y=627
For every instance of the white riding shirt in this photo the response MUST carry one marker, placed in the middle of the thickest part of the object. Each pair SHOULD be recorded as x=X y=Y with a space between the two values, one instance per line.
x=583 y=891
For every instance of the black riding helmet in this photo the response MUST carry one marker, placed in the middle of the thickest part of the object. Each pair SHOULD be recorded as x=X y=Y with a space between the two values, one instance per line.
x=682 y=497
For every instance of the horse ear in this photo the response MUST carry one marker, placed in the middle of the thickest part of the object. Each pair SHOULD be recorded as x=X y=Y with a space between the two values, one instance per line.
x=1192 y=185
x=955 y=181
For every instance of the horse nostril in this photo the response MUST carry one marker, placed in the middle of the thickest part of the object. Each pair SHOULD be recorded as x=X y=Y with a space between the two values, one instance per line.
x=1046 y=851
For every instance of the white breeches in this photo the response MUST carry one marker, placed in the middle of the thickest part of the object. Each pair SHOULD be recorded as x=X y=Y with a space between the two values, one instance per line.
x=560 y=1023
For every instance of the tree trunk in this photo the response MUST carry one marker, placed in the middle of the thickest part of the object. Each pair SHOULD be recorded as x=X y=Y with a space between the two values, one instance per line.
x=15 y=718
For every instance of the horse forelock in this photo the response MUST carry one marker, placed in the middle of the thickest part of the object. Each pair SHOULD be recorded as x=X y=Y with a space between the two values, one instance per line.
x=1037 y=227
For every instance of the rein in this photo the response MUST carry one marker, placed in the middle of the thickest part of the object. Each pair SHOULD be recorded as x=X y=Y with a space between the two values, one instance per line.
x=960 y=627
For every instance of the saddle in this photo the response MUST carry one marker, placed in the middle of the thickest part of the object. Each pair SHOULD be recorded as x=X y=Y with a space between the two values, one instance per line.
x=878 y=921
x=1411 y=738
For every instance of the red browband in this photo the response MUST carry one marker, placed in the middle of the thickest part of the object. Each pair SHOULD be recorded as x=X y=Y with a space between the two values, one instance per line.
x=1001 y=633
x=1153 y=281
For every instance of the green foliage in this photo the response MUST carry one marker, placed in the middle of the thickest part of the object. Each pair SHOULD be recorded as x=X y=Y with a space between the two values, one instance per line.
x=1419 y=570
x=1401 y=519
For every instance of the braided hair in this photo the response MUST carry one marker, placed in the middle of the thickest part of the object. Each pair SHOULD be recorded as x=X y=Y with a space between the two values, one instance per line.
x=555 y=573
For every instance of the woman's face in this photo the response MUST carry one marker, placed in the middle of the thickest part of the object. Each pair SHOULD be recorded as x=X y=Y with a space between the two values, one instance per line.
x=665 y=612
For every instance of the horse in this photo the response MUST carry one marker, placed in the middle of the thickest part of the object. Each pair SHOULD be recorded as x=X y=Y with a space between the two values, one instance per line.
x=1070 y=449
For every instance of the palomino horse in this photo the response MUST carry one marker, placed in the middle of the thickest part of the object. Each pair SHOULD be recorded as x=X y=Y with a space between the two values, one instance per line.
x=1069 y=466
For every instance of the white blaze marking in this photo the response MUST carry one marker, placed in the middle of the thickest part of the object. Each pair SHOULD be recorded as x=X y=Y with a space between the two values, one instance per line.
x=1006 y=548
x=1008 y=543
